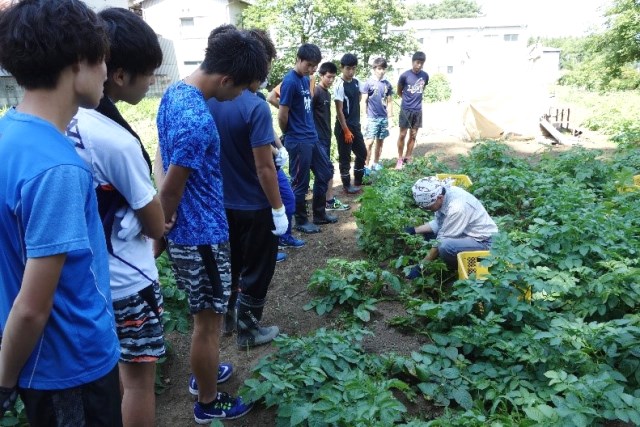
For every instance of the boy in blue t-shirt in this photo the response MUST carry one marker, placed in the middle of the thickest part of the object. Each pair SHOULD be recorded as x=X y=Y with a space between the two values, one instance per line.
x=410 y=87
x=378 y=93
x=191 y=187
x=59 y=344
x=295 y=118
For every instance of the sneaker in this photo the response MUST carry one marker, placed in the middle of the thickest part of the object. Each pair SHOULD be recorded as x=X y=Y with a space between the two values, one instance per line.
x=376 y=167
x=399 y=164
x=224 y=373
x=281 y=257
x=288 y=241
x=367 y=171
x=336 y=205
x=225 y=407
x=407 y=160
x=351 y=189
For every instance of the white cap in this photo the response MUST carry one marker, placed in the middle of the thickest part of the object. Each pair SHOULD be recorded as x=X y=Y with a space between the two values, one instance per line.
x=426 y=190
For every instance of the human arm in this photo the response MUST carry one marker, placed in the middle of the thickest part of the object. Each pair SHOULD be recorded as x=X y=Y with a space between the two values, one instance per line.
x=283 y=117
x=172 y=189
x=29 y=315
x=273 y=97
x=267 y=175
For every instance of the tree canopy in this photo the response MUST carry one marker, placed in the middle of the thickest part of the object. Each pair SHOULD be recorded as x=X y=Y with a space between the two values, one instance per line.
x=361 y=27
x=446 y=9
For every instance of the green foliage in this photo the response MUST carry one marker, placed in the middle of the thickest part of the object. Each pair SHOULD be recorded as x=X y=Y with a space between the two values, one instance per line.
x=438 y=89
x=354 y=284
x=619 y=42
x=362 y=27
x=142 y=118
x=445 y=9
x=326 y=379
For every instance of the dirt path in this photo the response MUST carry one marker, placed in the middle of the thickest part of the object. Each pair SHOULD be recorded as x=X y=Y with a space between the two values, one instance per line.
x=288 y=293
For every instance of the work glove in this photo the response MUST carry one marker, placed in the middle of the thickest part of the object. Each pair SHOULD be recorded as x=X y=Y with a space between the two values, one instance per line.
x=410 y=230
x=280 y=221
x=415 y=272
x=282 y=158
x=130 y=225
x=8 y=398
x=348 y=136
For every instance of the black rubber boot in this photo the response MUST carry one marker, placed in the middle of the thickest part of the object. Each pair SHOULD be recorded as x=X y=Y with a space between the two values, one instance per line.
x=302 y=220
x=320 y=215
x=250 y=333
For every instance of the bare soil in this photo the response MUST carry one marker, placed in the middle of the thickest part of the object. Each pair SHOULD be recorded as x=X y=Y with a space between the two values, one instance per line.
x=288 y=293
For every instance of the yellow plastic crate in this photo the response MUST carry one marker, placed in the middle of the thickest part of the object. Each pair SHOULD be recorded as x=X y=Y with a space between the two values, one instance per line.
x=469 y=263
x=459 y=180
x=634 y=187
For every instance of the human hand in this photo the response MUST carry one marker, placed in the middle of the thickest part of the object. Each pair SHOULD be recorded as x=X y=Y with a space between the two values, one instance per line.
x=8 y=398
x=130 y=225
x=159 y=246
x=280 y=221
x=348 y=136
x=282 y=158
x=169 y=224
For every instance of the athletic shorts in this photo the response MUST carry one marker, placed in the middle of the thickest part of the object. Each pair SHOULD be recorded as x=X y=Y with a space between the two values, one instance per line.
x=204 y=272
x=139 y=325
x=93 y=404
x=410 y=119
x=377 y=128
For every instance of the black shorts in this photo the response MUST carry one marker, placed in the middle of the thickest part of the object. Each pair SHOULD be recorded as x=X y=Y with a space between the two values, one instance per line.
x=94 y=404
x=410 y=119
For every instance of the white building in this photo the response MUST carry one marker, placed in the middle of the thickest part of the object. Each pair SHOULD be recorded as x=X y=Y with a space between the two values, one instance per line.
x=183 y=27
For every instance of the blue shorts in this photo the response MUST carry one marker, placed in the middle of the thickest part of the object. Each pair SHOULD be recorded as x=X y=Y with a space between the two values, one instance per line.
x=377 y=128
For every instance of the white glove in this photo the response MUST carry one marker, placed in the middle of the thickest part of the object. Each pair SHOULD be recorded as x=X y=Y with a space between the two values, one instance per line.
x=130 y=226
x=282 y=158
x=280 y=221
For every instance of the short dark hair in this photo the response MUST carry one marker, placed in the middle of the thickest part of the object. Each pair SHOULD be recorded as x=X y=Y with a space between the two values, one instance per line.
x=327 y=67
x=309 y=52
x=379 y=62
x=419 y=56
x=134 y=44
x=349 y=60
x=264 y=38
x=40 y=38
x=236 y=54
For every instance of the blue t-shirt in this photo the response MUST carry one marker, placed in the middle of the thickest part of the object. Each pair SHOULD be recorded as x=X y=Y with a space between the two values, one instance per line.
x=295 y=94
x=48 y=207
x=188 y=137
x=412 y=86
x=378 y=91
x=244 y=123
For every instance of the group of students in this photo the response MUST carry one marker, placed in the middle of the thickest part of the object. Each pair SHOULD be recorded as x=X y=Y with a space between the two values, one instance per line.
x=80 y=303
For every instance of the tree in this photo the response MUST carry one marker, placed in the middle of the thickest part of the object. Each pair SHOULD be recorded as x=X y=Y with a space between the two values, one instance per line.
x=362 y=27
x=446 y=9
x=621 y=41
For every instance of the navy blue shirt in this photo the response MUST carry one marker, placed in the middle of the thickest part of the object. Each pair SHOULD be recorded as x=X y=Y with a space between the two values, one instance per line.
x=412 y=86
x=243 y=124
x=295 y=94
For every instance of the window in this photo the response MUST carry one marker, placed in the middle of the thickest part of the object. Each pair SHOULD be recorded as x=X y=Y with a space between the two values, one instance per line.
x=511 y=37
x=192 y=62
x=420 y=41
x=186 y=22
x=449 y=69
x=449 y=39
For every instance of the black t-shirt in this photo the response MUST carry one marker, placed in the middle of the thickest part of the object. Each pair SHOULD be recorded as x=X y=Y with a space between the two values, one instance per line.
x=322 y=112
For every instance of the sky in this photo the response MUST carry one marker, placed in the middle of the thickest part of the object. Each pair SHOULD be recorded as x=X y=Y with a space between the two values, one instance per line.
x=550 y=18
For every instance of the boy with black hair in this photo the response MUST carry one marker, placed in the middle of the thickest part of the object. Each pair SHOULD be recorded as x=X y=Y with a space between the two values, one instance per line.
x=130 y=209
x=322 y=119
x=410 y=87
x=378 y=93
x=295 y=119
x=191 y=187
x=254 y=208
x=347 y=129
x=59 y=344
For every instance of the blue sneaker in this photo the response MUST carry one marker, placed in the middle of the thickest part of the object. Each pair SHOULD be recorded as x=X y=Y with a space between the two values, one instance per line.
x=224 y=373
x=288 y=241
x=225 y=407
x=281 y=257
